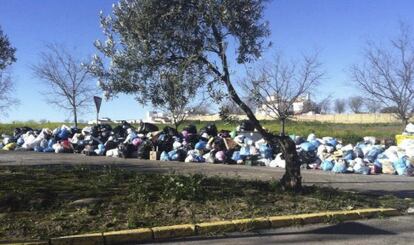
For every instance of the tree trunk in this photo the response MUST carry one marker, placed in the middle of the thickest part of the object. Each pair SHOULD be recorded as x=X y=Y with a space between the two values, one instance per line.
x=292 y=179
x=75 y=116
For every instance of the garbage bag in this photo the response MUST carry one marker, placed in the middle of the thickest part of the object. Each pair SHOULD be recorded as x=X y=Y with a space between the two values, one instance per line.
x=327 y=165
x=401 y=166
x=220 y=156
x=266 y=151
x=164 y=156
x=210 y=129
x=279 y=162
x=201 y=145
x=236 y=156
x=191 y=129
x=101 y=150
x=10 y=147
x=245 y=151
x=144 y=149
x=307 y=146
x=373 y=154
x=340 y=167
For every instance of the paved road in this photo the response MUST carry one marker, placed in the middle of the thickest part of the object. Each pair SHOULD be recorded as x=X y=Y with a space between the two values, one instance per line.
x=396 y=230
x=376 y=184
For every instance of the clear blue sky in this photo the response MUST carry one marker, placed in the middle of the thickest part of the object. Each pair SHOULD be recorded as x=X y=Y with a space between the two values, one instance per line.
x=339 y=28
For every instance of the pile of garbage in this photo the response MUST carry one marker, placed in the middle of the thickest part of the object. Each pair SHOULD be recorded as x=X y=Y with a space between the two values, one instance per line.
x=208 y=145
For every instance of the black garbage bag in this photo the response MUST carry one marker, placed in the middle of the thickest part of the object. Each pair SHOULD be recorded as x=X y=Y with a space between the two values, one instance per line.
x=210 y=129
x=20 y=131
x=89 y=150
x=219 y=144
x=191 y=129
x=192 y=140
x=246 y=126
x=307 y=157
x=119 y=132
x=170 y=131
x=145 y=128
x=78 y=148
x=144 y=149
x=127 y=150
x=164 y=142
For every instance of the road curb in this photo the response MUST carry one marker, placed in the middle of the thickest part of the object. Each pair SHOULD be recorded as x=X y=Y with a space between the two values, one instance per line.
x=216 y=227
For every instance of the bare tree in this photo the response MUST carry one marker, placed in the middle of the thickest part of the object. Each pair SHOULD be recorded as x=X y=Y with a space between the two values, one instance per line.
x=321 y=107
x=7 y=57
x=6 y=93
x=68 y=81
x=355 y=104
x=372 y=106
x=280 y=84
x=339 y=106
x=325 y=105
x=387 y=73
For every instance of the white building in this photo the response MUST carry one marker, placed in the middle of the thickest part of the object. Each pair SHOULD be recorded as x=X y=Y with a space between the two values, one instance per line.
x=272 y=101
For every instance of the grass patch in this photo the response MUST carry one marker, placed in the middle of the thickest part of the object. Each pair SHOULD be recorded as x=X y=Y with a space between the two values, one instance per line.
x=37 y=202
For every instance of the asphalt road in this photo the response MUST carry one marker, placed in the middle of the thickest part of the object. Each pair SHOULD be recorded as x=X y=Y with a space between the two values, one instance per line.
x=376 y=184
x=396 y=230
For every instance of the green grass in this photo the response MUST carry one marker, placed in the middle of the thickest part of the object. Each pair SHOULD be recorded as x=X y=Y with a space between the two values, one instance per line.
x=35 y=201
x=349 y=133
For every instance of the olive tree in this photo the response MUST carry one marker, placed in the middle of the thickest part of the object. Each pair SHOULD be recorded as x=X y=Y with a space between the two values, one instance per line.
x=386 y=74
x=174 y=94
x=146 y=37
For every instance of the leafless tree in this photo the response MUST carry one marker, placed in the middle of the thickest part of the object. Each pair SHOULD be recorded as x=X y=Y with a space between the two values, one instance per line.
x=355 y=104
x=276 y=86
x=339 y=106
x=325 y=105
x=372 y=106
x=7 y=58
x=6 y=93
x=387 y=73
x=69 y=84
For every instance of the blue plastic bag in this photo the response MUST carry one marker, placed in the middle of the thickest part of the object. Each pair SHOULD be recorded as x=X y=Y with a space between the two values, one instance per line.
x=164 y=156
x=236 y=156
x=307 y=146
x=401 y=166
x=244 y=151
x=201 y=145
x=327 y=165
x=38 y=149
x=332 y=142
x=266 y=152
x=339 y=167
x=373 y=154
x=316 y=143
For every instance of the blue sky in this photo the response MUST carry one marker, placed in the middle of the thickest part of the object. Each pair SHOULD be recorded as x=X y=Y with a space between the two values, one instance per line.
x=338 y=28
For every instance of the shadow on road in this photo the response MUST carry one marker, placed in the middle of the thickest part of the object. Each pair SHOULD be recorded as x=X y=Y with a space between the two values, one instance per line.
x=333 y=231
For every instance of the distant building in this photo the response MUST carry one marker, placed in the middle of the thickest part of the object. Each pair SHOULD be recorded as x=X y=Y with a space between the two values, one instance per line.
x=296 y=108
x=158 y=117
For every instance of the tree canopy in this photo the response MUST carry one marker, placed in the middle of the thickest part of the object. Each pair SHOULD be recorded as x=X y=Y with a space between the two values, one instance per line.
x=7 y=52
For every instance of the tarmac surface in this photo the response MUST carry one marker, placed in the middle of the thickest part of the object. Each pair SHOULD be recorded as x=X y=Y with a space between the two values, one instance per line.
x=382 y=184
x=395 y=230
